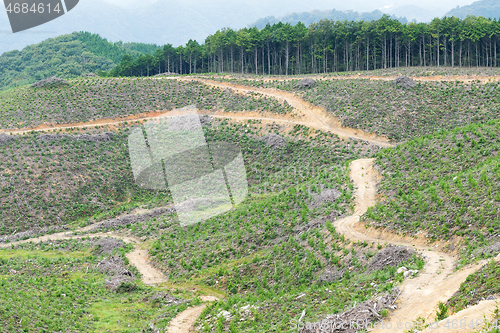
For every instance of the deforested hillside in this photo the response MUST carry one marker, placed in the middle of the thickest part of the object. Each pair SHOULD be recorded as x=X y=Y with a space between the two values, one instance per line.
x=87 y=99
x=292 y=252
x=80 y=285
x=57 y=179
x=446 y=185
x=63 y=178
x=279 y=245
x=399 y=110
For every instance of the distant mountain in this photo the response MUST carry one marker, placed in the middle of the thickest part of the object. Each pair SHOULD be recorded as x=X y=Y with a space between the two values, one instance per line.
x=317 y=15
x=175 y=22
x=162 y=22
x=486 y=8
x=66 y=56
x=412 y=12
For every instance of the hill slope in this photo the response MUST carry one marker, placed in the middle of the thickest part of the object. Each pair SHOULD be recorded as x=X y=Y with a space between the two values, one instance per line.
x=280 y=255
x=485 y=8
x=447 y=185
x=386 y=108
x=66 y=56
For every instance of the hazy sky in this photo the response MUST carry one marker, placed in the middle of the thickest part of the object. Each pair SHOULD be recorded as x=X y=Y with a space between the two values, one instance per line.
x=358 y=5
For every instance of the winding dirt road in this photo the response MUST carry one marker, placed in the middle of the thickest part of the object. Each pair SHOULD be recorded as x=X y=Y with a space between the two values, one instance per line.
x=437 y=282
x=315 y=117
x=420 y=295
x=185 y=320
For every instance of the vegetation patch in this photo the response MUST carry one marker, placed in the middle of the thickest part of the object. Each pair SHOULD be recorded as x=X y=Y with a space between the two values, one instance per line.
x=482 y=285
x=57 y=182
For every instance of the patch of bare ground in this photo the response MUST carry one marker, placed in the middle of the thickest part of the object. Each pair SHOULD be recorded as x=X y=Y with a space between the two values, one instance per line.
x=88 y=124
x=184 y=322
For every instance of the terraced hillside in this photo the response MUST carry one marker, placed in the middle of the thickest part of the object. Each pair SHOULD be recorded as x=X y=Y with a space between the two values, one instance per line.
x=86 y=99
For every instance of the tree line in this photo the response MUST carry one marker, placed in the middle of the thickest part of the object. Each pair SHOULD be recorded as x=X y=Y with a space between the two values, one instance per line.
x=327 y=46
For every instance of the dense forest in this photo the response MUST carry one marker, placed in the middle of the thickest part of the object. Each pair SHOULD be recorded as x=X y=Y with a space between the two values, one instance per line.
x=328 y=46
x=66 y=56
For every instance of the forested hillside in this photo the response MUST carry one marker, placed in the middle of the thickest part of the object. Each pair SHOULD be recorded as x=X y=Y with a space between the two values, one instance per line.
x=278 y=49
x=329 y=46
x=486 y=8
x=66 y=56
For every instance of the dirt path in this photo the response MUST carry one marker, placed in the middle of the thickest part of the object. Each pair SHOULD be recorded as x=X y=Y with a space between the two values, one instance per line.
x=87 y=124
x=138 y=257
x=150 y=275
x=420 y=295
x=478 y=314
x=317 y=116
x=185 y=320
x=436 y=282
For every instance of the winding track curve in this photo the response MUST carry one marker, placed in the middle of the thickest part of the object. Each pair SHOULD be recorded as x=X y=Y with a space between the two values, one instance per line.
x=437 y=282
x=318 y=117
x=419 y=298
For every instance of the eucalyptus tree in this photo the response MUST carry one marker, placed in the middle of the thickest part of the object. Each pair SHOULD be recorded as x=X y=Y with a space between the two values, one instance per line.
x=286 y=36
x=180 y=51
x=192 y=51
x=300 y=35
x=168 y=53
x=242 y=38
x=324 y=33
x=158 y=56
x=367 y=35
x=435 y=27
x=451 y=28
x=382 y=29
x=265 y=35
x=253 y=43
x=230 y=41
